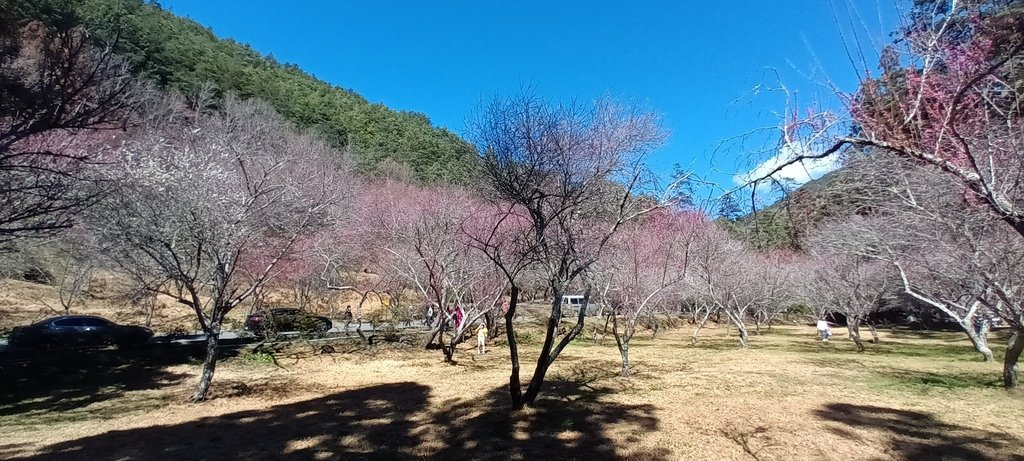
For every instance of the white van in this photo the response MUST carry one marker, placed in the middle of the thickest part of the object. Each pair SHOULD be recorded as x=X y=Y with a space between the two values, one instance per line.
x=571 y=305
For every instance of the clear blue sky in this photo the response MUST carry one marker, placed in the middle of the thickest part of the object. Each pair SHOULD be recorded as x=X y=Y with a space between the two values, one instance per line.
x=695 y=62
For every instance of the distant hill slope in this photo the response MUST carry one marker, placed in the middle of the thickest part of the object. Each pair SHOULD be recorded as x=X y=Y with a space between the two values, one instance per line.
x=786 y=223
x=181 y=54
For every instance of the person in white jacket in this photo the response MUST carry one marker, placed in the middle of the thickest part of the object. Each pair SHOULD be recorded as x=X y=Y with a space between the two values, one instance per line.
x=823 y=330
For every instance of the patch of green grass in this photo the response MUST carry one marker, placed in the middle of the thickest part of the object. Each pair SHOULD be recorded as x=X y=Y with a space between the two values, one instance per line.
x=259 y=357
x=39 y=414
x=922 y=381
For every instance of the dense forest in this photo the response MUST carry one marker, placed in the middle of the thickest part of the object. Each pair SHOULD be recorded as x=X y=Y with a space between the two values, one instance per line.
x=180 y=54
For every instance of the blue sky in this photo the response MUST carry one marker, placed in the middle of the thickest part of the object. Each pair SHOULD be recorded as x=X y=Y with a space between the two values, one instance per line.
x=695 y=62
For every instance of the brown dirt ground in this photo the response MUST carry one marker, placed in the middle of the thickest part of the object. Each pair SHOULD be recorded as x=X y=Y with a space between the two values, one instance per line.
x=913 y=396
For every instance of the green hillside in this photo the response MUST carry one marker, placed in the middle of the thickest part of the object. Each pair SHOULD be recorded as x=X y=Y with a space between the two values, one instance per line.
x=181 y=54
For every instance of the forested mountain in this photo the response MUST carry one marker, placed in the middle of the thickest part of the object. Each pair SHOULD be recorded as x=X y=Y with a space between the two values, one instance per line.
x=180 y=54
x=786 y=222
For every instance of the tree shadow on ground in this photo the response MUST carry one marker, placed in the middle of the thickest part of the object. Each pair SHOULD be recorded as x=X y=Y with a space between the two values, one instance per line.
x=54 y=381
x=390 y=421
x=921 y=436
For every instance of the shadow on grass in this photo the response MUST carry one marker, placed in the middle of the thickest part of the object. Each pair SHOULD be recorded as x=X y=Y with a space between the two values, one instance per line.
x=45 y=384
x=391 y=421
x=921 y=436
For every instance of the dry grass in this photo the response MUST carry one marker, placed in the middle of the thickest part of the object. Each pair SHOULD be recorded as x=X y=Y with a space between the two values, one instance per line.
x=786 y=397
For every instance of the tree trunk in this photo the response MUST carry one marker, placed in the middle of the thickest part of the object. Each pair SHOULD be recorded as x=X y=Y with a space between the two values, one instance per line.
x=434 y=331
x=622 y=342
x=700 y=325
x=550 y=352
x=624 y=352
x=209 y=364
x=449 y=351
x=740 y=327
x=537 y=380
x=853 y=325
x=874 y=332
x=514 y=386
x=1011 y=373
x=978 y=334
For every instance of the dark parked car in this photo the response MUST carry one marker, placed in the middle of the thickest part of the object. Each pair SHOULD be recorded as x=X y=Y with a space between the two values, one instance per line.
x=286 y=319
x=78 y=330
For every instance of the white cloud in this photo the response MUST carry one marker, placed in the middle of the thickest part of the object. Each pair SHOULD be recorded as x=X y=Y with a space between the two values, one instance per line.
x=797 y=173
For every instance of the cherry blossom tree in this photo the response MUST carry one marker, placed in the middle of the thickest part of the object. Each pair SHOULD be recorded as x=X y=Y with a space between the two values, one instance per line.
x=643 y=266
x=208 y=206
x=730 y=277
x=947 y=98
x=416 y=233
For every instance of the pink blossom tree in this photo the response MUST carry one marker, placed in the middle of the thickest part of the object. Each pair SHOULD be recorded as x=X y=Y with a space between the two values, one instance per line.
x=416 y=234
x=644 y=265
x=947 y=97
x=729 y=277
x=63 y=101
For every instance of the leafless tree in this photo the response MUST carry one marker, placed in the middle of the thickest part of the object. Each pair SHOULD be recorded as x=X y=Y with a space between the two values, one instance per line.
x=209 y=206
x=731 y=278
x=63 y=101
x=939 y=244
x=566 y=177
x=851 y=285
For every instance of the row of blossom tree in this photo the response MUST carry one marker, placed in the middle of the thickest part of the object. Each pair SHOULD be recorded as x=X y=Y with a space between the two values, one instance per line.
x=214 y=204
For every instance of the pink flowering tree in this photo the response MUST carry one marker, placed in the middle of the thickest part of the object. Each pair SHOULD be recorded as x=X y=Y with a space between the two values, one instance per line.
x=728 y=276
x=947 y=97
x=416 y=236
x=63 y=101
x=644 y=268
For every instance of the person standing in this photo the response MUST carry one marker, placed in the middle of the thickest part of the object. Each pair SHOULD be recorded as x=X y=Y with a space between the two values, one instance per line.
x=347 y=317
x=481 y=337
x=823 y=330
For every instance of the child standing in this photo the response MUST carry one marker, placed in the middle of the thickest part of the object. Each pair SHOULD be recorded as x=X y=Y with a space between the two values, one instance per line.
x=481 y=337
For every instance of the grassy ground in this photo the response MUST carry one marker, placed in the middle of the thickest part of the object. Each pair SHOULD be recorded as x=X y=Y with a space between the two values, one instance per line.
x=913 y=396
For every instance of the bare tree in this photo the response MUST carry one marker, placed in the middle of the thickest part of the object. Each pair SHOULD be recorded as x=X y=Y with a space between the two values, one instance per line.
x=209 y=205
x=937 y=243
x=851 y=285
x=573 y=175
x=74 y=273
x=62 y=101
x=731 y=278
